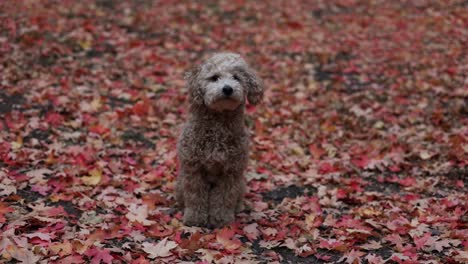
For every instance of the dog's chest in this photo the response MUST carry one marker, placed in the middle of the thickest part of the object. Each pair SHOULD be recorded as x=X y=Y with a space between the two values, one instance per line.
x=219 y=147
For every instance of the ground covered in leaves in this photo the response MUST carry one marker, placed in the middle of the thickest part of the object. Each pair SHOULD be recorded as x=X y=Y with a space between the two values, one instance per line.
x=359 y=151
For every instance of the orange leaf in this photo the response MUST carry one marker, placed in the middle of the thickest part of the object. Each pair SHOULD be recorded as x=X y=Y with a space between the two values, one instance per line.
x=225 y=238
x=98 y=129
x=3 y=210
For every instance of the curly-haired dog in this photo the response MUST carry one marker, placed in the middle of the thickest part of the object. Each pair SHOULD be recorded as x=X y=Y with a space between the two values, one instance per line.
x=213 y=146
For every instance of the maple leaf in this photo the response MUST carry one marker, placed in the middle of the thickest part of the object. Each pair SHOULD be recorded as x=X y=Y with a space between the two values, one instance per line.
x=289 y=243
x=435 y=243
x=368 y=212
x=425 y=155
x=72 y=259
x=55 y=119
x=361 y=161
x=155 y=175
x=139 y=213
x=316 y=151
x=269 y=244
x=395 y=239
x=251 y=231
x=142 y=108
x=99 y=255
x=326 y=167
x=37 y=176
x=192 y=244
x=269 y=231
x=407 y=182
x=61 y=249
x=99 y=129
x=161 y=249
x=421 y=242
x=260 y=206
x=4 y=209
x=352 y=257
x=462 y=256
x=255 y=176
x=22 y=254
x=305 y=250
x=373 y=259
x=332 y=244
x=372 y=245
x=42 y=236
x=94 y=178
x=208 y=256
x=226 y=238
x=325 y=258
x=140 y=260
x=399 y=257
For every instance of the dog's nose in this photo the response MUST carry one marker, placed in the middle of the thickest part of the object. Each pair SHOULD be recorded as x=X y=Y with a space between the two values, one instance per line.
x=227 y=90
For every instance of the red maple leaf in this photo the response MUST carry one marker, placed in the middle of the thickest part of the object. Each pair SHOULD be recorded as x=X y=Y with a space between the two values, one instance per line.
x=352 y=257
x=226 y=238
x=421 y=241
x=316 y=151
x=54 y=119
x=361 y=161
x=326 y=167
x=97 y=255
x=142 y=108
x=99 y=129
x=140 y=260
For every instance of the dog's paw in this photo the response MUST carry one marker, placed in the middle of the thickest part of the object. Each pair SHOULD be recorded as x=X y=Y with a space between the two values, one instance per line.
x=222 y=219
x=193 y=218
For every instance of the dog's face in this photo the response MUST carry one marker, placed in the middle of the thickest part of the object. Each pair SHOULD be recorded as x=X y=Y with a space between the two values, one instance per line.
x=223 y=90
x=223 y=82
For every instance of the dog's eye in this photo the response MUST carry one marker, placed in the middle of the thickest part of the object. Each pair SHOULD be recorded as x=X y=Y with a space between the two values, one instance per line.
x=214 y=78
x=236 y=77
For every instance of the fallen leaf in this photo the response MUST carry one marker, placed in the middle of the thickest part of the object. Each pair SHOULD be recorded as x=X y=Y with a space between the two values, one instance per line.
x=99 y=255
x=226 y=238
x=251 y=231
x=94 y=178
x=139 y=213
x=4 y=209
x=159 y=250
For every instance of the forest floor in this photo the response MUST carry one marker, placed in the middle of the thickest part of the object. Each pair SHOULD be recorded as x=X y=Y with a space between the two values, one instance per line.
x=359 y=150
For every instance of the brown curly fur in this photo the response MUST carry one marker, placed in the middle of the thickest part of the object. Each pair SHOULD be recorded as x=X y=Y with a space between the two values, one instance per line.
x=213 y=146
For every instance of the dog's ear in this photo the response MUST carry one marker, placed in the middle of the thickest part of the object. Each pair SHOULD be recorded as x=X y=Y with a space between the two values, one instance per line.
x=193 y=85
x=253 y=83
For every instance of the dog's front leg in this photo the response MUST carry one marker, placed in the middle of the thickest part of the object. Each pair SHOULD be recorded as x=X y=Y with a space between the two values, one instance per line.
x=196 y=196
x=224 y=198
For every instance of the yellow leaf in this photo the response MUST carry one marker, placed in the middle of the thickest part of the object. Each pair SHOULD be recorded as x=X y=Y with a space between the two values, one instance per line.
x=309 y=220
x=85 y=44
x=94 y=178
x=368 y=212
x=17 y=144
x=79 y=246
x=297 y=150
x=96 y=104
x=54 y=198
x=379 y=124
x=61 y=249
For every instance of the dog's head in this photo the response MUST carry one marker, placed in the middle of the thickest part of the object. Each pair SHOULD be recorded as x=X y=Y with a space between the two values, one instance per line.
x=222 y=83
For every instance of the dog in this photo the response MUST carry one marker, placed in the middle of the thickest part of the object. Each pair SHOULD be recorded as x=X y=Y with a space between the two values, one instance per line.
x=213 y=146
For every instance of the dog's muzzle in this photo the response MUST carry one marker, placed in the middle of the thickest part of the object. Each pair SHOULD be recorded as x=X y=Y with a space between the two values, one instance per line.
x=227 y=90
